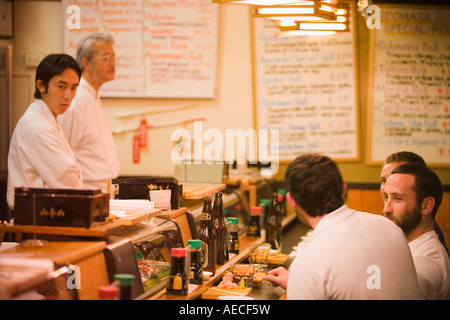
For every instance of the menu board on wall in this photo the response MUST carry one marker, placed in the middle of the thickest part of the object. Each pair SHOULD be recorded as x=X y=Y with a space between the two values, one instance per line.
x=306 y=87
x=410 y=103
x=165 y=49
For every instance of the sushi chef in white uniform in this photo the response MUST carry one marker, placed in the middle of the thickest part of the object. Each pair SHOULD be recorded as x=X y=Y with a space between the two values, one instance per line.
x=39 y=154
x=84 y=124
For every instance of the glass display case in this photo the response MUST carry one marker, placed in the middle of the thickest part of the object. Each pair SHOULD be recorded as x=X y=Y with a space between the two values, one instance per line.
x=152 y=241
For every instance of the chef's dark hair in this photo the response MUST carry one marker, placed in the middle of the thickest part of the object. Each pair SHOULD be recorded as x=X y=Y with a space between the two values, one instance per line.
x=53 y=65
x=315 y=183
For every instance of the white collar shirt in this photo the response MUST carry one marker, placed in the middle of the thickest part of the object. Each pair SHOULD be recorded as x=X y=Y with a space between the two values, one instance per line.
x=90 y=137
x=39 y=155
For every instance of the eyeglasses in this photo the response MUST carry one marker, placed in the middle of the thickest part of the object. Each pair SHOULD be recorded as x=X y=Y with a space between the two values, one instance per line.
x=108 y=58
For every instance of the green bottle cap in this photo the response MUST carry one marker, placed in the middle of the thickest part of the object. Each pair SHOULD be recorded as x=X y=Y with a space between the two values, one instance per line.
x=195 y=243
x=282 y=191
x=265 y=202
x=233 y=220
x=139 y=254
x=125 y=279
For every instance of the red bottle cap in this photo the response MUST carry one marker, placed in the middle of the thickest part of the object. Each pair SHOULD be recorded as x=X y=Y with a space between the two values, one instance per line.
x=255 y=210
x=178 y=252
x=108 y=292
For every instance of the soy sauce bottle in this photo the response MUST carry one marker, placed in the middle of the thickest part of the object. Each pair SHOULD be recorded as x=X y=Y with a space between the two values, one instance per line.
x=196 y=268
x=282 y=202
x=178 y=281
x=233 y=242
x=254 y=228
x=125 y=285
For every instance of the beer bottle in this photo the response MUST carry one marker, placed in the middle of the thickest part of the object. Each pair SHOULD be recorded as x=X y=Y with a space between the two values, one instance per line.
x=220 y=227
x=273 y=224
x=207 y=234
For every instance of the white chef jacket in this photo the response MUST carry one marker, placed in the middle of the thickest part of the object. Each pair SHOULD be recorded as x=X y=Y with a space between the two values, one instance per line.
x=353 y=256
x=90 y=138
x=39 y=155
x=432 y=265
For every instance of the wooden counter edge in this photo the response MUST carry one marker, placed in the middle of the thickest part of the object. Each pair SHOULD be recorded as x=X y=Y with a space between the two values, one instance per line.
x=100 y=230
x=61 y=253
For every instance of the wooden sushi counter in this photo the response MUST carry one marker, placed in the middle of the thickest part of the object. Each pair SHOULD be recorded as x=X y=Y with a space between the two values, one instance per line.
x=87 y=248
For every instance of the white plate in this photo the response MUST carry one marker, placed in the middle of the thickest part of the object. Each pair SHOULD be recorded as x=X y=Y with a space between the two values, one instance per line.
x=206 y=274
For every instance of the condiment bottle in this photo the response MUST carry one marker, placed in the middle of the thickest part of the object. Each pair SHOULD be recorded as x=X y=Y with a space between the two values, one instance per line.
x=196 y=268
x=254 y=229
x=264 y=204
x=273 y=224
x=233 y=244
x=178 y=281
x=108 y=293
x=126 y=285
x=220 y=227
x=282 y=202
x=207 y=234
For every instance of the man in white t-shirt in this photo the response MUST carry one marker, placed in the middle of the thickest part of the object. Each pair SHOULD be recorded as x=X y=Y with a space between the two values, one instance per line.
x=353 y=255
x=84 y=124
x=39 y=155
x=392 y=162
x=413 y=194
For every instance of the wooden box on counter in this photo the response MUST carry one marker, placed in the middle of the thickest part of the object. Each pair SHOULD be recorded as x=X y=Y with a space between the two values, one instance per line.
x=60 y=207
x=137 y=188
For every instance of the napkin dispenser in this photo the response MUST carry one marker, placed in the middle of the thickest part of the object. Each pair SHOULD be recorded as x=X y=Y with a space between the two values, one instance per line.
x=60 y=207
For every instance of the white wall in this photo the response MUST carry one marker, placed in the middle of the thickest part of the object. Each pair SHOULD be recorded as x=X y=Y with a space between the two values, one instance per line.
x=38 y=30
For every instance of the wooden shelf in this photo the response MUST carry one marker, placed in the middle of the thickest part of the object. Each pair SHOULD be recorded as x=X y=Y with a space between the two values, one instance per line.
x=197 y=191
x=97 y=230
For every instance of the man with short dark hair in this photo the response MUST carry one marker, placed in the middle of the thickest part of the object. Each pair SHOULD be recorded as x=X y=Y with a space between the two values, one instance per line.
x=39 y=155
x=392 y=162
x=353 y=255
x=413 y=194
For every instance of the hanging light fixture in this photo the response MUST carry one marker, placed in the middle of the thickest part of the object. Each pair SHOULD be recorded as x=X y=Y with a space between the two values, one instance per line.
x=300 y=11
x=320 y=5
x=290 y=27
x=261 y=2
x=297 y=17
